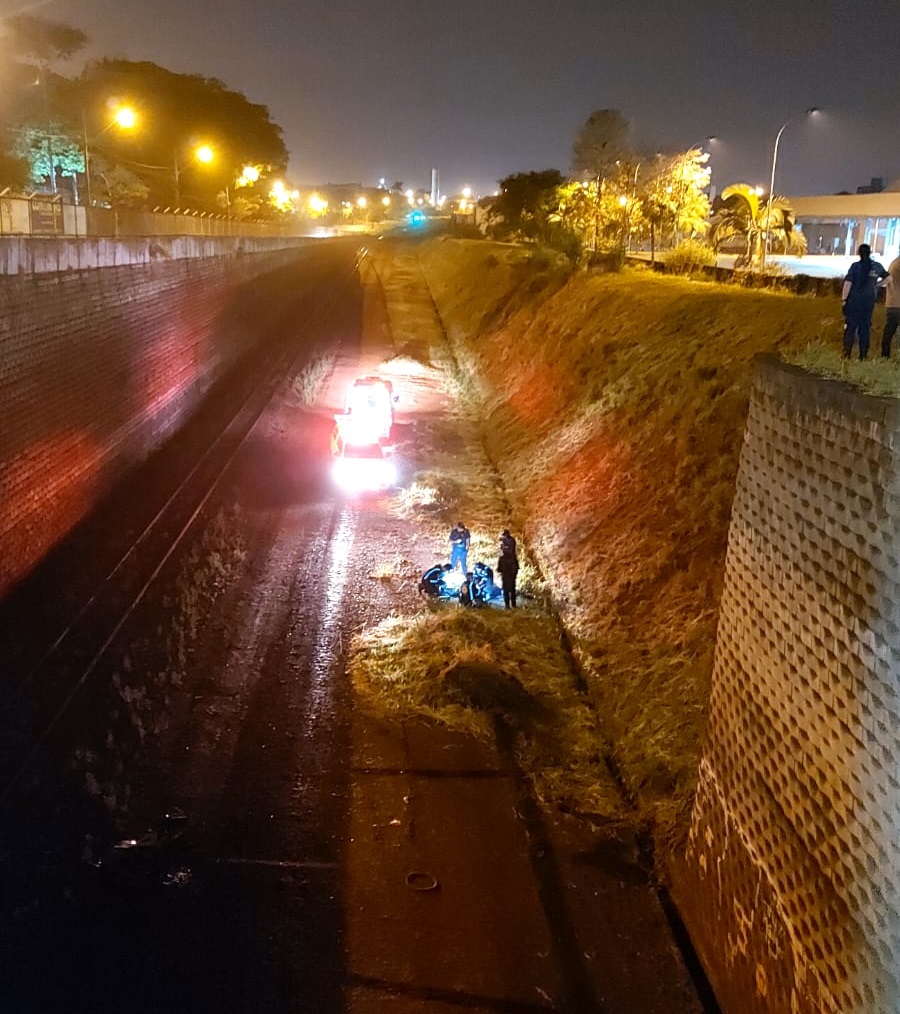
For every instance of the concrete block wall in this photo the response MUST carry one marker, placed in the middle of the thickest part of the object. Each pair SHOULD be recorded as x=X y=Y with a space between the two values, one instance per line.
x=790 y=883
x=97 y=368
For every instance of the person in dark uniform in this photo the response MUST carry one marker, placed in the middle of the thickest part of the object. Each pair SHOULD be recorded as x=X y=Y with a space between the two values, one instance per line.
x=481 y=584
x=507 y=542
x=432 y=583
x=508 y=569
x=858 y=300
x=459 y=546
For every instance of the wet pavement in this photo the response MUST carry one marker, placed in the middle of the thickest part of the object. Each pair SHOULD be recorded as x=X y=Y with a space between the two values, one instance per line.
x=325 y=861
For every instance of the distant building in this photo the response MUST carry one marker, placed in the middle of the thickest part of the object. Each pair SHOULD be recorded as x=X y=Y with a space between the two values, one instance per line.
x=838 y=223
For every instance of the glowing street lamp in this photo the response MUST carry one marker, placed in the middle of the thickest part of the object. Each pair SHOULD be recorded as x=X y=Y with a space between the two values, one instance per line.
x=123 y=117
x=203 y=153
x=765 y=249
x=361 y=202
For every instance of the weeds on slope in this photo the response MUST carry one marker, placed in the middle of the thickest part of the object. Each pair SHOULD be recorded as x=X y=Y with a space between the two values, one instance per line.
x=615 y=407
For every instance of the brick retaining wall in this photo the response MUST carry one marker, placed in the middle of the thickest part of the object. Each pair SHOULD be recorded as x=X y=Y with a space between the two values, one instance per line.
x=97 y=368
x=790 y=885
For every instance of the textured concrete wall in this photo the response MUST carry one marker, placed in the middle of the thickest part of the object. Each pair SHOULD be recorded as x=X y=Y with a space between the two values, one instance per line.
x=35 y=255
x=790 y=885
x=97 y=368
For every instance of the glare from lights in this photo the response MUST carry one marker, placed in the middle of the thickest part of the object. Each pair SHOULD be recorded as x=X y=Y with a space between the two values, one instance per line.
x=361 y=202
x=204 y=153
x=125 y=117
x=249 y=174
x=364 y=474
x=467 y=192
x=386 y=201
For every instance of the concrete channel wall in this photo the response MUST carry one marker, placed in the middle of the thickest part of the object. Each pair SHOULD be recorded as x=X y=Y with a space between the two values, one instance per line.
x=106 y=348
x=790 y=885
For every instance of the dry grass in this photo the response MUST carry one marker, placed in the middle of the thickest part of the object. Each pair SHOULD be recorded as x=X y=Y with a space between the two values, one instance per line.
x=614 y=406
x=309 y=381
x=469 y=668
x=875 y=376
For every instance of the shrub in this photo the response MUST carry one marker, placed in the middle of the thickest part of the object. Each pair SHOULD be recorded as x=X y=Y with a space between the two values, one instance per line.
x=607 y=260
x=690 y=256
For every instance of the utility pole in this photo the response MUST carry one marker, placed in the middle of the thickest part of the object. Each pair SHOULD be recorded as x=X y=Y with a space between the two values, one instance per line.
x=87 y=159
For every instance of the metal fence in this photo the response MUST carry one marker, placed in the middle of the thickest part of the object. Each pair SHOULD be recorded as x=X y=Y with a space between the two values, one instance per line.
x=48 y=215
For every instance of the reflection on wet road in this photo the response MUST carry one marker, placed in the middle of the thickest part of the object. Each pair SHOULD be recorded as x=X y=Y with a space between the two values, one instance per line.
x=328 y=646
x=225 y=702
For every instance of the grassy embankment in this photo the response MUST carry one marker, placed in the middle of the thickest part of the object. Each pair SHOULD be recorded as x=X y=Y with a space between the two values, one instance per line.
x=613 y=406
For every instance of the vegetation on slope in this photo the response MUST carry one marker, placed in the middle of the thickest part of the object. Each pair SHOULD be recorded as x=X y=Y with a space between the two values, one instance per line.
x=614 y=407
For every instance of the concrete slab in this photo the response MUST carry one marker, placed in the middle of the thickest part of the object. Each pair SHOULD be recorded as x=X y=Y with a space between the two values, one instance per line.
x=440 y=895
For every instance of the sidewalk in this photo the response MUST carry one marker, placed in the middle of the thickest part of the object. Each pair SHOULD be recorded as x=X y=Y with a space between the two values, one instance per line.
x=457 y=897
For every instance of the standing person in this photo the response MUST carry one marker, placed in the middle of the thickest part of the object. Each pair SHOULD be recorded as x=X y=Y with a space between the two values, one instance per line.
x=508 y=569
x=459 y=546
x=858 y=300
x=507 y=542
x=891 y=306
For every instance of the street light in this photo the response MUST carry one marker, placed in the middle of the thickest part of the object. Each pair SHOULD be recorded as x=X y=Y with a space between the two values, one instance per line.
x=124 y=117
x=203 y=153
x=765 y=249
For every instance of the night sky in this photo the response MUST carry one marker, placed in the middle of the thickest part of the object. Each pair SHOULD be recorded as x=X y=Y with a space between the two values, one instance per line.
x=368 y=89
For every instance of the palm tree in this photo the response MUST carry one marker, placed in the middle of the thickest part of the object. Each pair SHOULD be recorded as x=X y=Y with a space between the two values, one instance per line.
x=745 y=212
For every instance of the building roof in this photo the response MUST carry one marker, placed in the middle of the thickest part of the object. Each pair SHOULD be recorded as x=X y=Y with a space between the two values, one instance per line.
x=883 y=205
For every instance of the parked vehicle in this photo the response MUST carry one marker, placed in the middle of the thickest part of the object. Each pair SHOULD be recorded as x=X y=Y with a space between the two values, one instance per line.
x=369 y=408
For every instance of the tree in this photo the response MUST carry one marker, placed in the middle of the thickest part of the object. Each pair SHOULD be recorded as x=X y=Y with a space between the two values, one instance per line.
x=49 y=151
x=41 y=41
x=602 y=144
x=744 y=213
x=15 y=171
x=598 y=213
x=672 y=196
x=119 y=187
x=37 y=44
x=177 y=113
x=525 y=204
